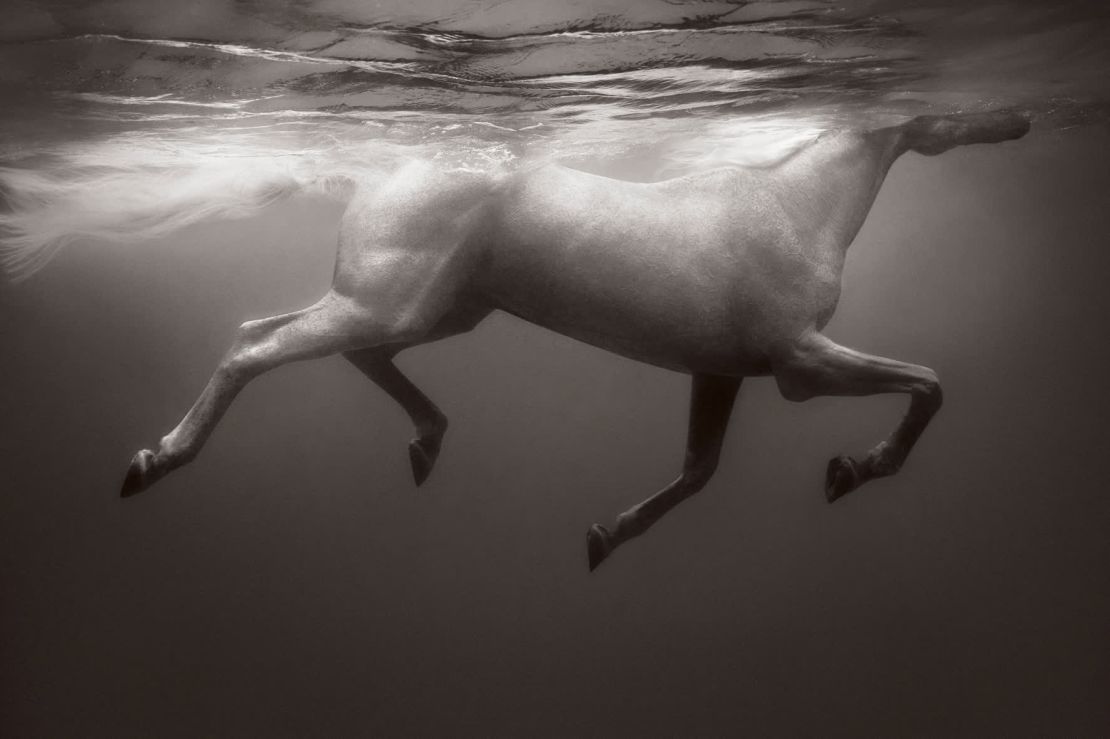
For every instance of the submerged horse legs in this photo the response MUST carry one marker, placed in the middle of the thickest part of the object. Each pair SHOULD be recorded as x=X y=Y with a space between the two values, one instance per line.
x=818 y=366
x=430 y=423
x=333 y=325
x=400 y=266
x=711 y=400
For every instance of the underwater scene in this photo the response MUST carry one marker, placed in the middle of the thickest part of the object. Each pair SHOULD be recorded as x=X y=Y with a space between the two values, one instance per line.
x=171 y=170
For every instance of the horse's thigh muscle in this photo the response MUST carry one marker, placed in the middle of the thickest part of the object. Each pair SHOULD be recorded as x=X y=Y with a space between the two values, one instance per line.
x=405 y=245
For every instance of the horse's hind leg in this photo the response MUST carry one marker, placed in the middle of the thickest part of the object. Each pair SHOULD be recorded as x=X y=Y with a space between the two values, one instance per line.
x=402 y=262
x=711 y=400
x=817 y=366
x=429 y=421
x=333 y=325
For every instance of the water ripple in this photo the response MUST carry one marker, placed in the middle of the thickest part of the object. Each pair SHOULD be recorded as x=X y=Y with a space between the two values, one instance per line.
x=578 y=79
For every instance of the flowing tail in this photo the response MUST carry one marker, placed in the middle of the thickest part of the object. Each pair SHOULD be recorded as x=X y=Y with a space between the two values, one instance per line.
x=127 y=190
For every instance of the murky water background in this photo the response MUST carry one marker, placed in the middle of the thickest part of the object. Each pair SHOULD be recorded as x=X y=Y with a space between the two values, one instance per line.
x=292 y=582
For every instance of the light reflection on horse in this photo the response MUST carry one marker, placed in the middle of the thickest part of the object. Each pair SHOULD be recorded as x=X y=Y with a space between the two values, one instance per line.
x=727 y=274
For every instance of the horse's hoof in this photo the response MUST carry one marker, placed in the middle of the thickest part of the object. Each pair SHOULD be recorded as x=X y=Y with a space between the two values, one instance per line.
x=841 y=477
x=598 y=545
x=422 y=456
x=139 y=474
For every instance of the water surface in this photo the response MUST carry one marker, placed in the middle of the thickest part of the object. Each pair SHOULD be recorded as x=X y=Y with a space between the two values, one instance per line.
x=686 y=82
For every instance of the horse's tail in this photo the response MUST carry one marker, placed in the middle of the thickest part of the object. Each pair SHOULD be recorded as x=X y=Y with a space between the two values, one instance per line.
x=129 y=192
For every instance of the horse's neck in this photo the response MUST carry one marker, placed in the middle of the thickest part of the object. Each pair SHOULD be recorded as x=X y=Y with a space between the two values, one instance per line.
x=831 y=186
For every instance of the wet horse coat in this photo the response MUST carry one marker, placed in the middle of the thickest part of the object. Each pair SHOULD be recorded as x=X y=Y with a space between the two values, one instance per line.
x=723 y=275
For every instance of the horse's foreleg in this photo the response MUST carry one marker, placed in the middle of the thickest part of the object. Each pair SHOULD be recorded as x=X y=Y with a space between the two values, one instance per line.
x=333 y=325
x=430 y=423
x=711 y=401
x=817 y=366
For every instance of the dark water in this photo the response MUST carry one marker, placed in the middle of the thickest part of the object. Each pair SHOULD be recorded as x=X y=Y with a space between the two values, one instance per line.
x=293 y=583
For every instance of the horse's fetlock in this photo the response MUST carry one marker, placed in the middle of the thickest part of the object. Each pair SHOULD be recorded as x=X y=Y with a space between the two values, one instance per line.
x=885 y=466
x=628 y=525
x=167 y=447
x=435 y=426
x=173 y=453
x=884 y=460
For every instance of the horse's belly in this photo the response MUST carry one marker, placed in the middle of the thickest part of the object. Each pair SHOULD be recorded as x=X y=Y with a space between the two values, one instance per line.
x=658 y=312
x=683 y=348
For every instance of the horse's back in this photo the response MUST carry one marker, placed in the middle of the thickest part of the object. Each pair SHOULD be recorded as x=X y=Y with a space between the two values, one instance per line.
x=678 y=273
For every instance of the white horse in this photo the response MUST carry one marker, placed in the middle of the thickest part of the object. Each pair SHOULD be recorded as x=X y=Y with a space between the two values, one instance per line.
x=723 y=275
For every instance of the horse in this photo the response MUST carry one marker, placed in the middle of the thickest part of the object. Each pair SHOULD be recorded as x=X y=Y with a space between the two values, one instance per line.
x=722 y=275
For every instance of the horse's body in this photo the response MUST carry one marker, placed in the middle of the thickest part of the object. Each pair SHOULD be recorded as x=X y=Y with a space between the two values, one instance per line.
x=723 y=275
x=702 y=274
